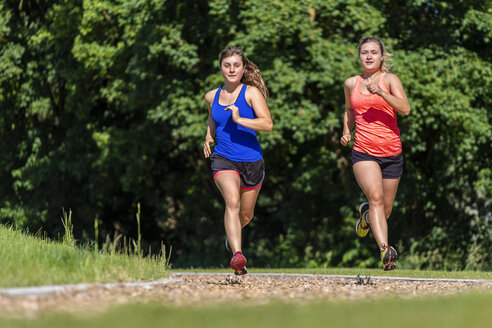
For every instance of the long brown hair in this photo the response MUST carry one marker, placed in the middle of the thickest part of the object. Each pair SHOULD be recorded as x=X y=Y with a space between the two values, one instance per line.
x=386 y=62
x=252 y=75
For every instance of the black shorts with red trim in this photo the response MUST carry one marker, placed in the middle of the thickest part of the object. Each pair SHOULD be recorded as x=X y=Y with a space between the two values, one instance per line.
x=251 y=174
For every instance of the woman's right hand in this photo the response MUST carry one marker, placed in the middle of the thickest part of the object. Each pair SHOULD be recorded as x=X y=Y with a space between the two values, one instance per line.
x=345 y=139
x=206 y=147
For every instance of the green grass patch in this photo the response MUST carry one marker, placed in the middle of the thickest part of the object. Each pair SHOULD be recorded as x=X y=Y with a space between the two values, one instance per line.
x=363 y=272
x=30 y=261
x=462 y=310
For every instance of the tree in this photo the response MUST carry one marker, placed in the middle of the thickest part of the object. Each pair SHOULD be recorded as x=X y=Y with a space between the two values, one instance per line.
x=102 y=108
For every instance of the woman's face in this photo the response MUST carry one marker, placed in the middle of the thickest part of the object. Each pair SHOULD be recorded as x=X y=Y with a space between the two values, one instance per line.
x=232 y=68
x=370 y=56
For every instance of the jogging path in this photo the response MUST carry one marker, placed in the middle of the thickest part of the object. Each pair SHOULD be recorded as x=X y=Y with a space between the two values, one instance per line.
x=198 y=289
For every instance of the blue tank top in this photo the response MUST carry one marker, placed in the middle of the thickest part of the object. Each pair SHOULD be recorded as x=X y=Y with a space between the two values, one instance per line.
x=235 y=142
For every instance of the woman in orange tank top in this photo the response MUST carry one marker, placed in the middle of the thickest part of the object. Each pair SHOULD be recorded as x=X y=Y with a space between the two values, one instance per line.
x=372 y=100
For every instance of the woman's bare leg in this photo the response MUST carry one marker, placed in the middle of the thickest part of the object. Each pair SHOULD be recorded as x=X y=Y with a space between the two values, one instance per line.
x=368 y=175
x=229 y=185
x=247 y=206
x=390 y=186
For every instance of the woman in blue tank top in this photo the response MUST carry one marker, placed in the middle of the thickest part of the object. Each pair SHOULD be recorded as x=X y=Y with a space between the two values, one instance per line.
x=236 y=111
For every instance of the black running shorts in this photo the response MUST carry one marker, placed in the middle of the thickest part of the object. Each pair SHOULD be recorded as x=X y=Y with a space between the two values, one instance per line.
x=391 y=166
x=250 y=173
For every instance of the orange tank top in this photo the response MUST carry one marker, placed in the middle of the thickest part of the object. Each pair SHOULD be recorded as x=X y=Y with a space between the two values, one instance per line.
x=376 y=131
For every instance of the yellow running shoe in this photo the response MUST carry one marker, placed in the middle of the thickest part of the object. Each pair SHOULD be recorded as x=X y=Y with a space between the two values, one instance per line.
x=362 y=227
x=388 y=256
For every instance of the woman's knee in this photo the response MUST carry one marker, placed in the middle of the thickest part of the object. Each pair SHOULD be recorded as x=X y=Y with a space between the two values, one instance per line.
x=233 y=202
x=246 y=218
x=376 y=199
x=387 y=212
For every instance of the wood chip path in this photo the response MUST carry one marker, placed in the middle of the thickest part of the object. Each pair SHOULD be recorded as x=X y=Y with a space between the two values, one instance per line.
x=202 y=289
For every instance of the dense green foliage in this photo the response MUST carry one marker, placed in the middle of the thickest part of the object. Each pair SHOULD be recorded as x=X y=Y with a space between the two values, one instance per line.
x=102 y=108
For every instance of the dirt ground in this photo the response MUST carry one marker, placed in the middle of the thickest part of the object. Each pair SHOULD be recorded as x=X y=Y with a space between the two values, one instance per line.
x=206 y=289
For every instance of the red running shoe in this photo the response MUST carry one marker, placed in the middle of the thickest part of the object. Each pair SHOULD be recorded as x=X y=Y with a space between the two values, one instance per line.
x=238 y=263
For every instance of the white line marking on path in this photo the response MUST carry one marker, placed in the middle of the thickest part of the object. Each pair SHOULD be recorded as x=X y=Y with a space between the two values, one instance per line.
x=307 y=275
x=48 y=290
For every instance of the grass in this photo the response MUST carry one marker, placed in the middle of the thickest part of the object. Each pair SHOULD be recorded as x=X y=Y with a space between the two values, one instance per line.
x=29 y=261
x=463 y=310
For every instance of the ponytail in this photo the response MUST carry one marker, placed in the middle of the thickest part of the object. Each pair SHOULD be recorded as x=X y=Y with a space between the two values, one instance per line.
x=252 y=76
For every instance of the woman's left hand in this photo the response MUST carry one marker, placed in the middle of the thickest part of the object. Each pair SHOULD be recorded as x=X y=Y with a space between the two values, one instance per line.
x=374 y=88
x=235 y=112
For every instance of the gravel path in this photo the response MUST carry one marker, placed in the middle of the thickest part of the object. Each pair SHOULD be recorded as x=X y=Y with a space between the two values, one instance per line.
x=205 y=289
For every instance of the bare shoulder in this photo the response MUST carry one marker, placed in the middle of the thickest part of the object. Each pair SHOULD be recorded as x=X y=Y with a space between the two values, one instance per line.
x=350 y=82
x=253 y=95
x=393 y=83
x=391 y=78
x=209 y=96
x=252 y=91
